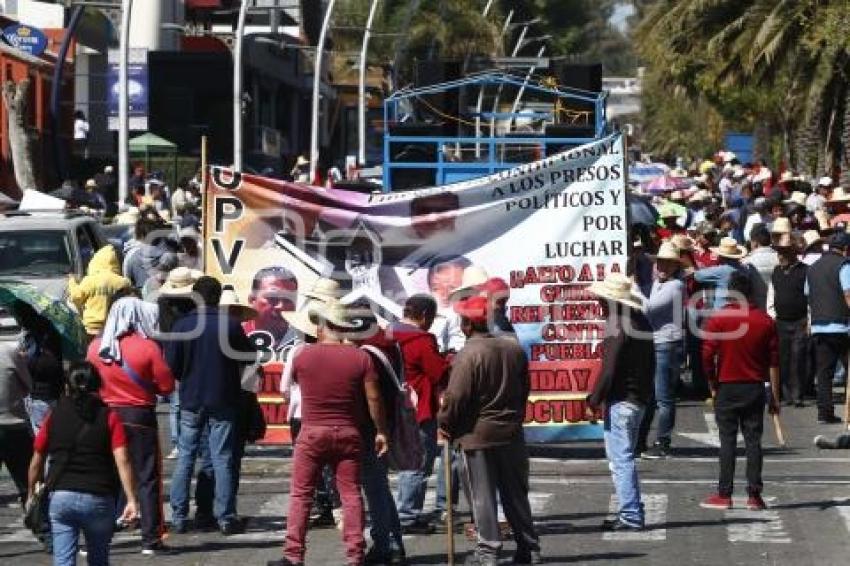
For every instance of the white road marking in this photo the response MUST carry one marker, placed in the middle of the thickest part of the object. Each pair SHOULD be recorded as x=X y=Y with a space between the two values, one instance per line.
x=712 y=437
x=655 y=505
x=843 y=507
x=761 y=527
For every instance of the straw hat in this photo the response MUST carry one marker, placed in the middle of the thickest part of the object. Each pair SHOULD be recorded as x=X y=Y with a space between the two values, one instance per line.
x=683 y=243
x=700 y=196
x=230 y=300
x=729 y=248
x=783 y=240
x=669 y=251
x=787 y=177
x=797 y=197
x=678 y=173
x=180 y=281
x=91 y=184
x=300 y=320
x=473 y=276
x=781 y=225
x=301 y=161
x=618 y=288
x=334 y=313
x=839 y=195
x=324 y=290
x=825 y=182
x=811 y=237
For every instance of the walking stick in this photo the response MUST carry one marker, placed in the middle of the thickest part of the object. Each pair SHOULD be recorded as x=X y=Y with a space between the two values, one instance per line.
x=780 y=434
x=450 y=527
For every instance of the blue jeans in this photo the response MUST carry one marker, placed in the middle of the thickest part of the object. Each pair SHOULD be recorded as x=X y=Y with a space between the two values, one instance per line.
x=622 y=420
x=440 y=504
x=413 y=485
x=383 y=516
x=668 y=368
x=38 y=409
x=72 y=512
x=221 y=438
x=174 y=417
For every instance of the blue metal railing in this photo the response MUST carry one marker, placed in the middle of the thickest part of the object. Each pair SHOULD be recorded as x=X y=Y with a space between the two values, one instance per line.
x=493 y=153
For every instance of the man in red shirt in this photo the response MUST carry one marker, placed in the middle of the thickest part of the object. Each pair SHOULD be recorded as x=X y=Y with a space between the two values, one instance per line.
x=424 y=370
x=133 y=372
x=740 y=348
x=338 y=383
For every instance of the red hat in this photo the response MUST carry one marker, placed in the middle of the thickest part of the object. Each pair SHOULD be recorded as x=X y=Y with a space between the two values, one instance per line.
x=495 y=287
x=474 y=308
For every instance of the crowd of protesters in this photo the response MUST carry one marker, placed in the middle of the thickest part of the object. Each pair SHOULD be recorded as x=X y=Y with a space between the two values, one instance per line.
x=737 y=247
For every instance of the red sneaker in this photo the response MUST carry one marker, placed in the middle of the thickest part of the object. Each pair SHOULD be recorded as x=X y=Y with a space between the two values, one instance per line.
x=716 y=502
x=756 y=503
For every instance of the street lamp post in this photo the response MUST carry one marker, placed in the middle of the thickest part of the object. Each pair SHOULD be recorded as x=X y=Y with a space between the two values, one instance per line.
x=124 y=103
x=361 y=93
x=237 y=86
x=317 y=83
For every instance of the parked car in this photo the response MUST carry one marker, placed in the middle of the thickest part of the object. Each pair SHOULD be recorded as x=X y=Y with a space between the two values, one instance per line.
x=44 y=248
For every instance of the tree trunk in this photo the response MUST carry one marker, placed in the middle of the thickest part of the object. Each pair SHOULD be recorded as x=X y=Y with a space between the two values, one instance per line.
x=845 y=143
x=15 y=98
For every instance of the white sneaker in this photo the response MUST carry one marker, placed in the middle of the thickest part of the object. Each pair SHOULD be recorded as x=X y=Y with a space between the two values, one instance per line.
x=173 y=454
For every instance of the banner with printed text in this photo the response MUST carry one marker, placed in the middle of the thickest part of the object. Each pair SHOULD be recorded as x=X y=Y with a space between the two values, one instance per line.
x=548 y=228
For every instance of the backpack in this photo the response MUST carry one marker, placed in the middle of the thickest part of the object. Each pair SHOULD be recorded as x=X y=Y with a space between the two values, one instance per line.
x=405 y=450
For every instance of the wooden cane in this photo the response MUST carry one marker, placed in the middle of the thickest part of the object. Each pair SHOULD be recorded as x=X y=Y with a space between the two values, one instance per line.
x=780 y=434
x=450 y=527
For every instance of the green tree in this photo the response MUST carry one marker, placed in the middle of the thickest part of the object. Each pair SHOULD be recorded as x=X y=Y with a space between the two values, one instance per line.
x=791 y=52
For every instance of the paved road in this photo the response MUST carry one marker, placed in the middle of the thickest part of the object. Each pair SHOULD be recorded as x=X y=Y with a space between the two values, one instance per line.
x=808 y=521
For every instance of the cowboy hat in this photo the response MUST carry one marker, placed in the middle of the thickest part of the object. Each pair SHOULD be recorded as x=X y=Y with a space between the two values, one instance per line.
x=683 y=243
x=179 y=281
x=324 y=290
x=333 y=313
x=783 y=241
x=301 y=161
x=797 y=197
x=300 y=320
x=91 y=183
x=825 y=182
x=810 y=238
x=230 y=300
x=781 y=225
x=788 y=177
x=473 y=276
x=729 y=248
x=839 y=195
x=618 y=288
x=668 y=251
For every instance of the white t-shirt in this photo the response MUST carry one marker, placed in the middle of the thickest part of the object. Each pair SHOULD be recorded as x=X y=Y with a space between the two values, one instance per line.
x=81 y=129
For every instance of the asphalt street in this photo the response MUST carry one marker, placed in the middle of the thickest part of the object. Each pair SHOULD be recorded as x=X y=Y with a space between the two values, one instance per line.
x=807 y=490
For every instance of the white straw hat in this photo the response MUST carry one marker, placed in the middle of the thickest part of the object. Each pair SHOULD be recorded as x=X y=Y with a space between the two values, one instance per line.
x=781 y=225
x=179 y=281
x=334 y=313
x=683 y=242
x=811 y=237
x=839 y=194
x=729 y=248
x=324 y=289
x=669 y=251
x=473 y=276
x=230 y=300
x=616 y=287
x=797 y=197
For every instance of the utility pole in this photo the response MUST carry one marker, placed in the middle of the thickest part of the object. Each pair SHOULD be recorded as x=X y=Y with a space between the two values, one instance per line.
x=123 y=103
x=317 y=82
x=361 y=93
x=237 y=86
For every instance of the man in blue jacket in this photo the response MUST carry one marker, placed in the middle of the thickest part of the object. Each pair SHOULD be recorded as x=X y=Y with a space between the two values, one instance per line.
x=208 y=363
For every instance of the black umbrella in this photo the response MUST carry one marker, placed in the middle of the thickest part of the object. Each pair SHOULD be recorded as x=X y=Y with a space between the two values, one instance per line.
x=641 y=210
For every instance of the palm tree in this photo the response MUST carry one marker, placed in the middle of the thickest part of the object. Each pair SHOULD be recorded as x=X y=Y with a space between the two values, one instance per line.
x=711 y=45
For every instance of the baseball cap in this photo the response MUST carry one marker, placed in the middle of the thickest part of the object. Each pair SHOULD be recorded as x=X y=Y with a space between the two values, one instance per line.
x=474 y=308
